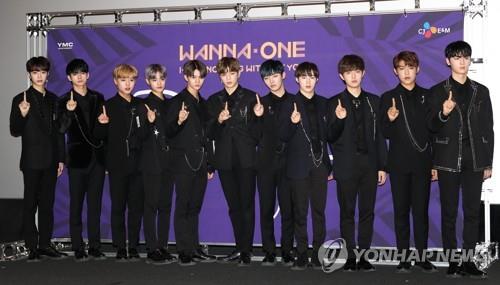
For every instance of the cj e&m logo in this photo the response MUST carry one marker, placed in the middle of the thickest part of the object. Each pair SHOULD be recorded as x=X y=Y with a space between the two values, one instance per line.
x=428 y=30
x=65 y=45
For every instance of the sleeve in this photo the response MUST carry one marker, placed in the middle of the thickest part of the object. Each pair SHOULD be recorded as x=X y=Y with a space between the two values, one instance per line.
x=214 y=128
x=335 y=126
x=287 y=128
x=381 y=142
x=101 y=130
x=17 y=122
x=435 y=117
x=488 y=125
x=65 y=116
x=388 y=128
x=172 y=128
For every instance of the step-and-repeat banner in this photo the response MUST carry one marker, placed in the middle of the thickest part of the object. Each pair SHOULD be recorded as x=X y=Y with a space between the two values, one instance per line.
x=377 y=38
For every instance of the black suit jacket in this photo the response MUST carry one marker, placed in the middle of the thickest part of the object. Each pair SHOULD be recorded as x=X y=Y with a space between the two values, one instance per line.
x=408 y=135
x=79 y=135
x=42 y=144
x=123 y=141
x=447 y=131
x=189 y=140
x=298 y=156
x=343 y=138
x=239 y=132
x=271 y=151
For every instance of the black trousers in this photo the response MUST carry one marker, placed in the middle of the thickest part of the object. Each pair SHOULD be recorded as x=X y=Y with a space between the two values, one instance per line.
x=158 y=191
x=238 y=185
x=410 y=192
x=450 y=183
x=269 y=184
x=190 y=192
x=83 y=181
x=362 y=186
x=126 y=195
x=310 y=190
x=39 y=192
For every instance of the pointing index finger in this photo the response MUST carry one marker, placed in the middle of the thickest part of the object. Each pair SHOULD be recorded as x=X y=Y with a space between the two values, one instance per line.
x=450 y=97
x=24 y=96
x=147 y=107
x=104 y=110
x=258 y=98
x=393 y=103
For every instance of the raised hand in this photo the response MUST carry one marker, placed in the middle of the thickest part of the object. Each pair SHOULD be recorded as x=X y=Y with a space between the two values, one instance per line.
x=183 y=114
x=71 y=104
x=224 y=114
x=393 y=112
x=258 y=109
x=24 y=106
x=487 y=173
x=295 y=117
x=434 y=175
x=151 y=114
x=60 y=168
x=449 y=105
x=103 y=118
x=381 y=177
x=340 y=111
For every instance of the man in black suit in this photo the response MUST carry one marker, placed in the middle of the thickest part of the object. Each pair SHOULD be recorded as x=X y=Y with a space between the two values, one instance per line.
x=79 y=109
x=232 y=124
x=189 y=146
x=33 y=117
x=403 y=112
x=119 y=125
x=157 y=177
x=462 y=124
x=303 y=127
x=271 y=166
x=359 y=157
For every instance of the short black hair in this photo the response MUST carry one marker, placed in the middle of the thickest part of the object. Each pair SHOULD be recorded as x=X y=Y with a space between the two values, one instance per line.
x=38 y=63
x=458 y=48
x=307 y=68
x=77 y=65
x=350 y=62
x=270 y=67
x=191 y=66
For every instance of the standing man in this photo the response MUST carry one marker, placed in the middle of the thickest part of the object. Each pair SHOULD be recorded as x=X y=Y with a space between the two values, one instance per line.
x=303 y=127
x=33 y=117
x=271 y=166
x=186 y=127
x=232 y=124
x=462 y=124
x=404 y=111
x=359 y=157
x=119 y=124
x=79 y=109
x=157 y=178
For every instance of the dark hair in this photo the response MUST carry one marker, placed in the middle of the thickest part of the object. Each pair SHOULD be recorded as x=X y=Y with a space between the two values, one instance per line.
x=191 y=66
x=226 y=64
x=307 y=68
x=77 y=65
x=350 y=62
x=270 y=67
x=410 y=58
x=458 y=48
x=38 y=63
x=153 y=69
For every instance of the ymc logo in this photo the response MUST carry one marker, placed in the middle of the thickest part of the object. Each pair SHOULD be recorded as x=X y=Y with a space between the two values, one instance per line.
x=428 y=30
x=65 y=45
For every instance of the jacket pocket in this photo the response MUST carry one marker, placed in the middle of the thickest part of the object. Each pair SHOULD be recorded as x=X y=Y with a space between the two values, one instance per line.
x=444 y=140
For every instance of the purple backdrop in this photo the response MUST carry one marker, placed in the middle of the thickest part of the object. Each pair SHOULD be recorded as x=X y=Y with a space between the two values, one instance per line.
x=377 y=38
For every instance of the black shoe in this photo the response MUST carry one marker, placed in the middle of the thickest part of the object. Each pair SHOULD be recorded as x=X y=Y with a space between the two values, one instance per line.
x=203 y=257
x=156 y=258
x=133 y=255
x=403 y=267
x=350 y=265
x=365 y=265
x=287 y=258
x=470 y=269
x=232 y=257
x=427 y=266
x=245 y=259
x=186 y=260
x=454 y=270
x=121 y=255
x=169 y=258
x=33 y=256
x=315 y=263
x=96 y=254
x=301 y=262
x=81 y=255
x=269 y=260
x=51 y=253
